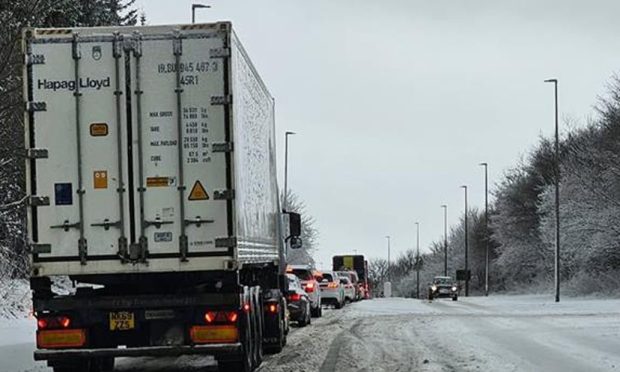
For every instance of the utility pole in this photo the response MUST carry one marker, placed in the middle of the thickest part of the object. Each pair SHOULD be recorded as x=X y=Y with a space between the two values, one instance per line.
x=417 y=260
x=557 y=193
x=486 y=227
x=445 y=239
x=466 y=246
x=288 y=133
x=388 y=263
x=198 y=6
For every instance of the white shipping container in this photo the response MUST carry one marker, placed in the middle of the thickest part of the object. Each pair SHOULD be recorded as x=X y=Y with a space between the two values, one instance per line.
x=152 y=149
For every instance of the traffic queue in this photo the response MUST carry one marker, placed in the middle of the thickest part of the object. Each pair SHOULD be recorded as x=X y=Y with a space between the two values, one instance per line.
x=309 y=289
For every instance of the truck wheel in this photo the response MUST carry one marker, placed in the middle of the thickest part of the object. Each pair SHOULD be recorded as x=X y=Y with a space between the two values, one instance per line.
x=243 y=365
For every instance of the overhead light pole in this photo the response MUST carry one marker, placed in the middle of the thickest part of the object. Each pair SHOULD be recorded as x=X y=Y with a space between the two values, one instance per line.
x=388 y=263
x=486 y=227
x=198 y=6
x=464 y=187
x=557 y=193
x=417 y=260
x=288 y=133
x=445 y=239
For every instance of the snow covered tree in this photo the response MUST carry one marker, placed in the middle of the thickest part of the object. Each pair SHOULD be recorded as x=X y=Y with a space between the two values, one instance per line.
x=14 y=16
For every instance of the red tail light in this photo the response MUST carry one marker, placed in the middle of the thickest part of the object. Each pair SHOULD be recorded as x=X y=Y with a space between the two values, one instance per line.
x=210 y=316
x=246 y=307
x=42 y=323
x=54 y=322
x=332 y=285
x=232 y=316
x=294 y=297
x=221 y=317
x=309 y=287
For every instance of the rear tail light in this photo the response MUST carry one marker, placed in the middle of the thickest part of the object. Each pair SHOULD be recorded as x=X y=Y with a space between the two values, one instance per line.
x=55 y=322
x=221 y=317
x=332 y=285
x=294 y=297
x=309 y=287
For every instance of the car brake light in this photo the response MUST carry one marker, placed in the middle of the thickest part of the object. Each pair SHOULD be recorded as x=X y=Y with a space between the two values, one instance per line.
x=332 y=285
x=246 y=307
x=309 y=287
x=272 y=308
x=294 y=297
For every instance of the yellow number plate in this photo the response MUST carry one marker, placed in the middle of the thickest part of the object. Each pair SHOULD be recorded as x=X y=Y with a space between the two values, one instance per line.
x=122 y=321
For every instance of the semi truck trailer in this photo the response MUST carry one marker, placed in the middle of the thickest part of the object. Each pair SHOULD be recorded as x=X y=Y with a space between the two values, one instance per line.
x=151 y=180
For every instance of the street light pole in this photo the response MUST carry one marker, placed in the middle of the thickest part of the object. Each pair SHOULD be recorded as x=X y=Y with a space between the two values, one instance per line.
x=198 y=6
x=466 y=246
x=388 y=263
x=486 y=227
x=417 y=260
x=445 y=239
x=288 y=133
x=557 y=193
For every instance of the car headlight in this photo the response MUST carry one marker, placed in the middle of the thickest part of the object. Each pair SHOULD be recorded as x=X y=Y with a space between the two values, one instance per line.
x=433 y=287
x=454 y=289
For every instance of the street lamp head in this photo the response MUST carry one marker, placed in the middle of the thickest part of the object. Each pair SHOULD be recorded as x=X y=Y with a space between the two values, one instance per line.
x=483 y=164
x=444 y=206
x=464 y=187
x=551 y=81
x=289 y=133
x=200 y=6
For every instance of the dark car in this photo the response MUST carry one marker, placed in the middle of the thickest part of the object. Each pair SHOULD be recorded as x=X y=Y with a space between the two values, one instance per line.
x=443 y=286
x=298 y=302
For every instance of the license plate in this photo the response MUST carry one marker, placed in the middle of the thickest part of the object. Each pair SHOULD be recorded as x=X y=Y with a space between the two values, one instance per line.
x=443 y=291
x=122 y=321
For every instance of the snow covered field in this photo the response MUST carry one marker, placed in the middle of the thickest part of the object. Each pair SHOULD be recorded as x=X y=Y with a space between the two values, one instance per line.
x=498 y=333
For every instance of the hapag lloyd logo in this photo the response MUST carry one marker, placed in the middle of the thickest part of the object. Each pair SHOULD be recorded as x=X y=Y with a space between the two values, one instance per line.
x=89 y=83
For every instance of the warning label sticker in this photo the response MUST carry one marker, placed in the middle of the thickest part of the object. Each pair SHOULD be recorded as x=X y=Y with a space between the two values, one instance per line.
x=100 y=179
x=159 y=181
x=198 y=192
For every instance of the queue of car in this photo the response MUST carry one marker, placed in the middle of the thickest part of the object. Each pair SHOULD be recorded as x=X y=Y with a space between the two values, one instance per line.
x=309 y=290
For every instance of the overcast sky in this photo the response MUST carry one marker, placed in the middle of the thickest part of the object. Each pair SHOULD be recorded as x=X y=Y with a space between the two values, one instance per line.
x=396 y=102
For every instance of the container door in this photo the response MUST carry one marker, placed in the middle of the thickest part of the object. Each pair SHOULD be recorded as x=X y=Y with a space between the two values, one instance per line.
x=77 y=115
x=181 y=148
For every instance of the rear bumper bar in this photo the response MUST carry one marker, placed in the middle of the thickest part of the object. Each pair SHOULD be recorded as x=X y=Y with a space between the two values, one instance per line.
x=211 y=349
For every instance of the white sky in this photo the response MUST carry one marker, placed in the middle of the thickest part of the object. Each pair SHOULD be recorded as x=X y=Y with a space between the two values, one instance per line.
x=397 y=101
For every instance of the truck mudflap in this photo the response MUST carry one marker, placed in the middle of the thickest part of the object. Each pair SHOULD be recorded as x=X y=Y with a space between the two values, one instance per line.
x=159 y=351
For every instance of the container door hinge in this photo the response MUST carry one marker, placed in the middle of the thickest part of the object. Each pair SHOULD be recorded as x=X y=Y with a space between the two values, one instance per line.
x=221 y=100
x=37 y=153
x=183 y=247
x=229 y=242
x=41 y=248
x=223 y=194
x=122 y=249
x=38 y=201
x=219 y=52
x=35 y=59
x=222 y=147
x=83 y=250
x=36 y=106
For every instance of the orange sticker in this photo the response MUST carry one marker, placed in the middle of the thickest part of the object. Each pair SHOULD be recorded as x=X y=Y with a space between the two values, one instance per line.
x=100 y=179
x=198 y=192
x=98 y=129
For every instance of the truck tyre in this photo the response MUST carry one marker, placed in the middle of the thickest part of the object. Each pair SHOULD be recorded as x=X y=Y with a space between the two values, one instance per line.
x=258 y=327
x=244 y=364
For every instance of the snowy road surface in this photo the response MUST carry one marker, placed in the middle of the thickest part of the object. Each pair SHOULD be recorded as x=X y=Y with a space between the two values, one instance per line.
x=503 y=333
